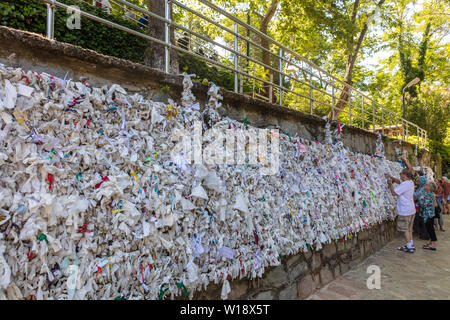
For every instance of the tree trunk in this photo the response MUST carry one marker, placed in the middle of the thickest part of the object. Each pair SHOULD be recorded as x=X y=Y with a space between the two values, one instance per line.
x=155 y=53
x=351 y=59
x=263 y=27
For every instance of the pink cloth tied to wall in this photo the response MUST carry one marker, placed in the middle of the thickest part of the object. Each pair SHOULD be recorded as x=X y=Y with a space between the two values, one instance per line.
x=301 y=147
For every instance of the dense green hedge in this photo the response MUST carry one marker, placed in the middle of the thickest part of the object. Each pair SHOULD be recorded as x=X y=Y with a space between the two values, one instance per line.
x=30 y=15
x=220 y=77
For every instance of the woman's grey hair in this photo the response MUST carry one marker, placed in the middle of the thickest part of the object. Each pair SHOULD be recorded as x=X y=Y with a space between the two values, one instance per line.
x=432 y=185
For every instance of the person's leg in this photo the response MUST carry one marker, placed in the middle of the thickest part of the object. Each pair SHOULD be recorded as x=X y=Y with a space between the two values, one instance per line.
x=416 y=227
x=441 y=222
x=411 y=220
x=402 y=227
x=408 y=239
x=430 y=228
x=423 y=233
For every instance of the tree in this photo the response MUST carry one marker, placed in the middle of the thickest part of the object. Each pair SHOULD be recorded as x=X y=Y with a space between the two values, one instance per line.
x=263 y=27
x=409 y=71
x=331 y=34
x=353 y=48
x=425 y=56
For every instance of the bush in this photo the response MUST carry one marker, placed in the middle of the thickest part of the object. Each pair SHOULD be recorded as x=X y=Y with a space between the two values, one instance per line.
x=31 y=16
x=202 y=70
x=441 y=150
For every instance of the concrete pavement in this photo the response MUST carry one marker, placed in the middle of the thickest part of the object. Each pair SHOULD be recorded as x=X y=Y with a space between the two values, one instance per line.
x=424 y=274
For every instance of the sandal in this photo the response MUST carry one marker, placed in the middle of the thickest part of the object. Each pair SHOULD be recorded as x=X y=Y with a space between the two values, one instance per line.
x=427 y=247
x=406 y=249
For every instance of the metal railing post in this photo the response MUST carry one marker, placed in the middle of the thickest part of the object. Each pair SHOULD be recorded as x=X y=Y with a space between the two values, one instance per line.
x=426 y=137
x=51 y=20
x=167 y=38
x=310 y=94
x=392 y=124
x=407 y=130
x=350 y=106
x=333 y=99
x=271 y=88
x=403 y=128
x=362 y=112
x=236 y=48
x=281 y=77
x=373 y=116
x=395 y=125
x=421 y=138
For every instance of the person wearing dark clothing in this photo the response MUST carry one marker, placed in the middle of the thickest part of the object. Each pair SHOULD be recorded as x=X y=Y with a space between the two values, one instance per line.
x=143 y=22
x=215 y=56
x=184 y=42
x=439 y=193
x=426 y=201
x=421 y=227
x=446 y=198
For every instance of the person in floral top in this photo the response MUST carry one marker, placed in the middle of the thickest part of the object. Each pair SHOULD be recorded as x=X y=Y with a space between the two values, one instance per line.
x=426 y=211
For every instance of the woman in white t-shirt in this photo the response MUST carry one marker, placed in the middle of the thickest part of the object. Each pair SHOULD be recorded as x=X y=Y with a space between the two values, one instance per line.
x=405 y=206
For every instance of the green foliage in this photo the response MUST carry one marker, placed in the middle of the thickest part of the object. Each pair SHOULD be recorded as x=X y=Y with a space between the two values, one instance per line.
x=23 y=15
x=441 y=150
x=165 y=88
x=430 y=110
x=31 y=16
x=409 y=71
x=202 y=70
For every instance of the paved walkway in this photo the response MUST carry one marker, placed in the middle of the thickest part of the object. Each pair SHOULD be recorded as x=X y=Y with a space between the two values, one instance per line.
x=422 y=275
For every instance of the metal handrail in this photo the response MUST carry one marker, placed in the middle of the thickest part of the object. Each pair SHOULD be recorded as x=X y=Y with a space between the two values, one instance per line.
x=359 y=108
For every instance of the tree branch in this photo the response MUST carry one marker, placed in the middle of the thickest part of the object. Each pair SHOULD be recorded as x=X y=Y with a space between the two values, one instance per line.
x=355 y=10
x=269 y=15
x=361 y=37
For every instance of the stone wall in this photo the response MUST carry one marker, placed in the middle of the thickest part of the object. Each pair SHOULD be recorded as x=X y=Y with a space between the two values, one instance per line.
x=301 y=275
